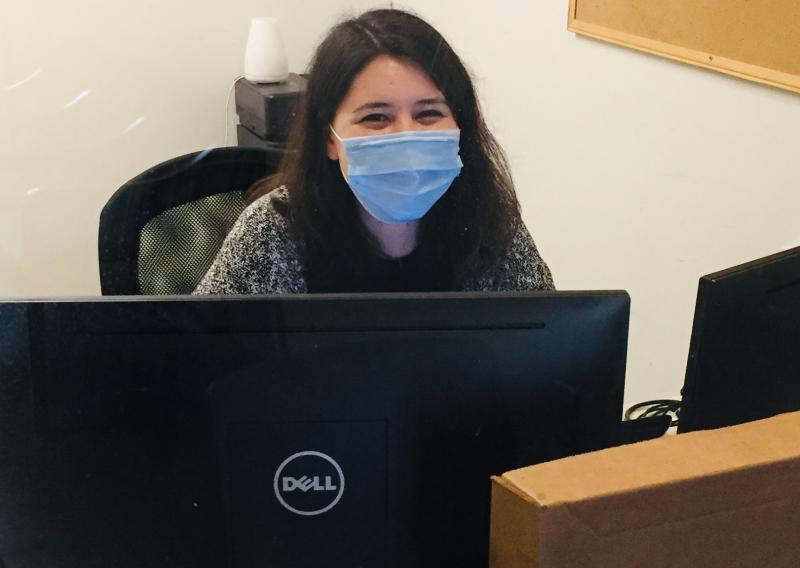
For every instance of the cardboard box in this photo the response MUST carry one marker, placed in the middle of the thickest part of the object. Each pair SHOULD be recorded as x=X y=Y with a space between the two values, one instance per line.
x=727 y=497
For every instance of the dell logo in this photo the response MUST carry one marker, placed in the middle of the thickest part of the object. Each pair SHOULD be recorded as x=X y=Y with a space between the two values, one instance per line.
x=305 y=484
x=309 y=483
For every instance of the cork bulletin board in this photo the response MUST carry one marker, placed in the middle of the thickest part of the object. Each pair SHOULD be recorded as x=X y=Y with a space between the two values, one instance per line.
x=757 y=40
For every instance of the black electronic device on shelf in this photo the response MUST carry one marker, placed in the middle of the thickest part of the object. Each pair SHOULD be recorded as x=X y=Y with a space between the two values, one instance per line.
x=266 y=110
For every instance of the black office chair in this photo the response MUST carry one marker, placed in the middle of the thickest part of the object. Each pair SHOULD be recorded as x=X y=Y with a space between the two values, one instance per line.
x=160 y=231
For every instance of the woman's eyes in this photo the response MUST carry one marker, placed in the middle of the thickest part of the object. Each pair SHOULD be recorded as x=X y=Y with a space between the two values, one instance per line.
x=375 y=117
x=428 y=115
x=431 y=113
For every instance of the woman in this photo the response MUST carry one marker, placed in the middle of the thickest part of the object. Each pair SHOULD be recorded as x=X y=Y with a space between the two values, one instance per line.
x=391 y=182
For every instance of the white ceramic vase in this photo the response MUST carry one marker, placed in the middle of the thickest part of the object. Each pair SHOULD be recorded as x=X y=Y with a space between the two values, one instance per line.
x=265 y=57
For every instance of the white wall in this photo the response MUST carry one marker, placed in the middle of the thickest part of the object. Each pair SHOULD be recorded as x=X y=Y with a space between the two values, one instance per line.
x=115 y=86
x=634 y=172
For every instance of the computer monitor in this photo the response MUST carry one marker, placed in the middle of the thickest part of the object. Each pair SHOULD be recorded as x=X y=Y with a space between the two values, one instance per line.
x=295 y=431
x=744 y=357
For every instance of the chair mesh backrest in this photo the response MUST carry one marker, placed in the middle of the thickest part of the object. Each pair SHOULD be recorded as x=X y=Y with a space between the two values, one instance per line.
x=177 y=247
x=160 y=231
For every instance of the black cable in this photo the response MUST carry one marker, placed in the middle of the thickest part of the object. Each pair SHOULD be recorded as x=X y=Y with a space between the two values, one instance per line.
x=652 y=408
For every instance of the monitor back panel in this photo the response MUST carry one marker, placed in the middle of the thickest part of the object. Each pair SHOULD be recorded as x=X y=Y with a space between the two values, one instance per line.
x=292 y=433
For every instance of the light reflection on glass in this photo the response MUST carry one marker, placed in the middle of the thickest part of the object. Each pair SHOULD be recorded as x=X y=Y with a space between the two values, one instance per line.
x=133 y=125
x=27 y=79
x=202 y=154
x=82 y=95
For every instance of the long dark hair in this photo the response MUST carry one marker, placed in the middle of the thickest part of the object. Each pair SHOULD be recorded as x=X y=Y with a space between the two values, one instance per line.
x=467 y=230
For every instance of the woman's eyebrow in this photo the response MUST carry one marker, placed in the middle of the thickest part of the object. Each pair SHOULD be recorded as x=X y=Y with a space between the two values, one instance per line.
x=372 y=106
x=433 y=101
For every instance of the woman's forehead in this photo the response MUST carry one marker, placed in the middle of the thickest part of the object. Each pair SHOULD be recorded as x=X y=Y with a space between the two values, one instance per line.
x=389 y=80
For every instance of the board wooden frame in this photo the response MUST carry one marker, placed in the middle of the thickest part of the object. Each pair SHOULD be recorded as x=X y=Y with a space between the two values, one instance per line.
x=713 y=61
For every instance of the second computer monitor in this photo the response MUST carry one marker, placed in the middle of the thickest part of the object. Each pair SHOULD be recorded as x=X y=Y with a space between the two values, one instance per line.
x=744 y=358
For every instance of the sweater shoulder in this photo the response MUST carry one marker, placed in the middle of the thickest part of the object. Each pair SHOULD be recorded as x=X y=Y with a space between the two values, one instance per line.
x=261 y=254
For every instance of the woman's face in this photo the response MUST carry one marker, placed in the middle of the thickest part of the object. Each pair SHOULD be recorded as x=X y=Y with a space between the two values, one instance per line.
x=388 y=96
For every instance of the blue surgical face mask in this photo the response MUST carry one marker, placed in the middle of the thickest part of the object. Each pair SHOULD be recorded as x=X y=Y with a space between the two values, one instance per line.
x=399 y=177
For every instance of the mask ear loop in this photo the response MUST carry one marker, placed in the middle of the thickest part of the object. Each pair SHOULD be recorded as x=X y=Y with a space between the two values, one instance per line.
x=339 y=138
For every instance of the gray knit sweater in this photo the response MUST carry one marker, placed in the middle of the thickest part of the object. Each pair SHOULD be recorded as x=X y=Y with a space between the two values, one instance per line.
x=261 y=256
